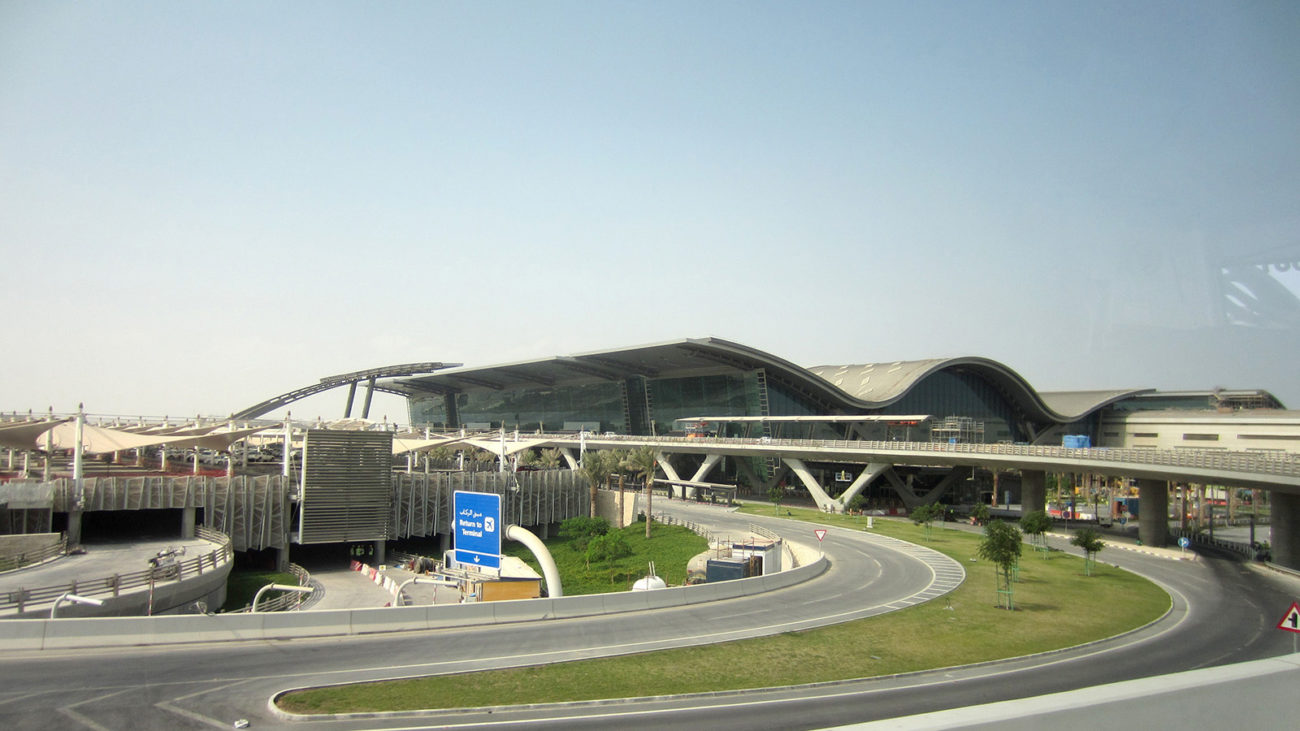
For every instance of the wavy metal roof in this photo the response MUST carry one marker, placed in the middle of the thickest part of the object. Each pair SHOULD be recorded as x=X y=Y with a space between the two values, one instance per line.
x=849 y=388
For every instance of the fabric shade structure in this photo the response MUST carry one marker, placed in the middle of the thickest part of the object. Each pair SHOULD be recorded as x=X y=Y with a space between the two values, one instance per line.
x=495 y=445
x=101 y=440
x=23 y=434
x=402 y=445
x=220 y=441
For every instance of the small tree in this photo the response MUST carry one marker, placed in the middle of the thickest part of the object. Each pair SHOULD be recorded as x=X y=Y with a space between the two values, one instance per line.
x=1036 y=523
x=925 y=515
x=1001 y=546
x=980 y=514
x=776 y=494
x=1090 y=541
x=857 y=503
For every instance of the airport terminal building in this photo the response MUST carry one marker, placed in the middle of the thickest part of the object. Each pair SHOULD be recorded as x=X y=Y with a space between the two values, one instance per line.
x=737 y=390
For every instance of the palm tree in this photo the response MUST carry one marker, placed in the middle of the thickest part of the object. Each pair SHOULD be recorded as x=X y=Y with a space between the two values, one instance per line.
x=642 y=461
x=597 y=467
x=550 y=458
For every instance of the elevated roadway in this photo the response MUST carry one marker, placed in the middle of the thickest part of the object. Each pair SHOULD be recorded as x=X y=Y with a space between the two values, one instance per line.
x=1154 y=470
x=1279 y=473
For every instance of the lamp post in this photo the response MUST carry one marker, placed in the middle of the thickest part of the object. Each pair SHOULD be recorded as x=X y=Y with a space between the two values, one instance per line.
x=422 y=580
x=66 y=596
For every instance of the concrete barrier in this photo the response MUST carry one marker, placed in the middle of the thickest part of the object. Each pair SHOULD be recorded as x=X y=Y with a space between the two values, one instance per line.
x=1248 y=695
x=37 y=634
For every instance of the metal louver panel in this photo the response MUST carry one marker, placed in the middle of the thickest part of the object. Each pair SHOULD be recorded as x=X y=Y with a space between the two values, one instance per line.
x=347 y=486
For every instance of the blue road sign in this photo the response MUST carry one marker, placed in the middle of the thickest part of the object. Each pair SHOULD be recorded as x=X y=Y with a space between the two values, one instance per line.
x=1183 y=542
x=477 y=516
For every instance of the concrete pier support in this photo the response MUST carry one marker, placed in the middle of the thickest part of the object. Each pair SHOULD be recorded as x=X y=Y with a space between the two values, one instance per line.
x=1284 y=535
x=1033 y=491
x=379 y=553
x=187 y=522
x=74 y=529
x=1153 y=513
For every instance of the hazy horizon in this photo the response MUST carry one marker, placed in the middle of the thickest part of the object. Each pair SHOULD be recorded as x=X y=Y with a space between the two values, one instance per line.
x=205 y=205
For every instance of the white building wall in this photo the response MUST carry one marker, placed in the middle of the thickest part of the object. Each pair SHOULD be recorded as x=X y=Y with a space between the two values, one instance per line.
x=1254 y=431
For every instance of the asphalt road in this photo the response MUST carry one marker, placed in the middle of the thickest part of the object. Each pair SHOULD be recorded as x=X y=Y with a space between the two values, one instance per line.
x=212 y=685
x=1223 y=613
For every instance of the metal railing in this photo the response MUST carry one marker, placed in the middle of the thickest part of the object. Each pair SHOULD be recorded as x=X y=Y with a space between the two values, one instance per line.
x=1204 y=539
x=287 y=601
x=27 y=558
x=25 y=598
x=1287 y=465
x=690 y=525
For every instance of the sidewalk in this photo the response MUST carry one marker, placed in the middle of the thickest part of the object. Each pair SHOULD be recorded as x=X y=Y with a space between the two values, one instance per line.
x=343 y=588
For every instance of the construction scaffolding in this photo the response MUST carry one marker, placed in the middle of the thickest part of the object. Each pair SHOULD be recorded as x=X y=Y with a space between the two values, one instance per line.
x=957 y=430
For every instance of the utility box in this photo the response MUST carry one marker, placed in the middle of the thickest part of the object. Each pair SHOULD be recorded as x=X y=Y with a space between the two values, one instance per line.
x=766 y=550
x=725 y=569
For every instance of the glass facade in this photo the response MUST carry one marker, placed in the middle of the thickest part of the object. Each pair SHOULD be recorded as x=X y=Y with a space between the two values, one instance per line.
x=682 y=398
x=947 y=393
x=530 y=409
x=627 y=406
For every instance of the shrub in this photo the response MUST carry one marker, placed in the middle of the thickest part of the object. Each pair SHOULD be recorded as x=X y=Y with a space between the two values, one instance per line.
x=608 y=548
x=581 y=530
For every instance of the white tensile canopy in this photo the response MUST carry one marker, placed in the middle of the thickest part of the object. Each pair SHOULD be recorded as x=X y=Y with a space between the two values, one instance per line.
x=495 y=446
x=23 y=434
x=402 y=445
x=101 y=440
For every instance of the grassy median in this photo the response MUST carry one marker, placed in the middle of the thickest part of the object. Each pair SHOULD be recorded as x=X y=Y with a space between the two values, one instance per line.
x=1056 y=606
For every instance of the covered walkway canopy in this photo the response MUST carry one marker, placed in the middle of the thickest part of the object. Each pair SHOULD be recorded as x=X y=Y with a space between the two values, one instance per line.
x=103 y=440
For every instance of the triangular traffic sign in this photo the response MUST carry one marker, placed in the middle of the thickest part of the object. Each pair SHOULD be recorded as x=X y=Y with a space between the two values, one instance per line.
x=1291 y=622
x=820 y=532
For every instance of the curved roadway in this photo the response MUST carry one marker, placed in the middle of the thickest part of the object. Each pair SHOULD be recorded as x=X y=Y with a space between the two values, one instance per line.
x=1223 y=613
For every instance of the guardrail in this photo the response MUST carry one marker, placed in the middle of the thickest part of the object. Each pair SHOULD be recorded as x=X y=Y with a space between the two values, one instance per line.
x=1203 y=539
x=41 y=634
x=24 y=598
x=690 y=525
x=1287 y=465
x=27 y=558
x=289 y=600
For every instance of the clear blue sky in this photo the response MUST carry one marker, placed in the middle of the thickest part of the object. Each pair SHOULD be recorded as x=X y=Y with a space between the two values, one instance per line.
x=206 y=204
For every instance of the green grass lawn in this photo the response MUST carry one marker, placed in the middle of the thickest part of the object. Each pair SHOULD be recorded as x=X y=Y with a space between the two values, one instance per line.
x=670 y=547
x=1056 y=607
x=242 y=586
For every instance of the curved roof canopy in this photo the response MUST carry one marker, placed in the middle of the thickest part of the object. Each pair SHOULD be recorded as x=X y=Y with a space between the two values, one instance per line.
x=839 y=389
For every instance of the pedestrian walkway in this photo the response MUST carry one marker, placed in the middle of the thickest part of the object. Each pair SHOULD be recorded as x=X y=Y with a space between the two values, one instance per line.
x=343 y=588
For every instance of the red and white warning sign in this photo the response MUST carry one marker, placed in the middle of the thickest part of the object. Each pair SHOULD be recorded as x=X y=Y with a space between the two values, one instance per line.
x=1291 y=622
x=820 y=533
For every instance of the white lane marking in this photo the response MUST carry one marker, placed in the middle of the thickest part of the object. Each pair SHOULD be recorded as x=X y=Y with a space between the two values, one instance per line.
x=71 y=712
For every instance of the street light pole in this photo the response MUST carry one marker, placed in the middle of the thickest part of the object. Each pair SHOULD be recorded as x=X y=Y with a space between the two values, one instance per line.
x=66 y=596
x=279 y=587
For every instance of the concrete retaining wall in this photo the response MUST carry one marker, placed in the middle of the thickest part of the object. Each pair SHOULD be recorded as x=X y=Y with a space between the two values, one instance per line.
x=12 y=545
x=40 y=634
